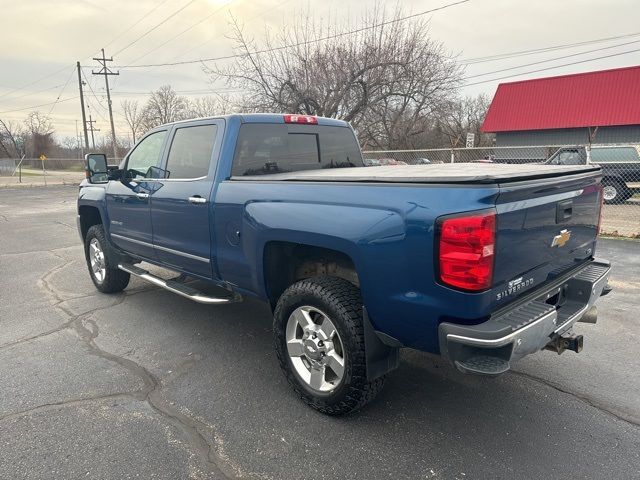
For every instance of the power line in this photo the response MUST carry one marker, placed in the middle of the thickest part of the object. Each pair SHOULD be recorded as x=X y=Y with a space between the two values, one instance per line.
x=307 y=42
x=41 y=105
x=504 y=56
x=61 y=91
x=554 y=67
x=183 y=92
x=249 y=20
x=57 y=120
x=100 y=114
x=35 y=81
x=97 y=98
x=55 y=72
x=183 y=31
x=467 y=85
x=33 y=93
x=552 y=59
x=149 y=13
x=162 y=22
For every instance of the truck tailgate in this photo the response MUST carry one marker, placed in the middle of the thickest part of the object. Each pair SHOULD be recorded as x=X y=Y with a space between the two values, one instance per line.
x=544 y=227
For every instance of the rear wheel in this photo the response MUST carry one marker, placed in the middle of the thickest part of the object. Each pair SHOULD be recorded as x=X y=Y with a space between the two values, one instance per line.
x=614 y=192
x=102 y=262
x=319 y=339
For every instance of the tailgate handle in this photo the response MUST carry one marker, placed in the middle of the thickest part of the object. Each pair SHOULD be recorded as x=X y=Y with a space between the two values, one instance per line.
x=564 y=210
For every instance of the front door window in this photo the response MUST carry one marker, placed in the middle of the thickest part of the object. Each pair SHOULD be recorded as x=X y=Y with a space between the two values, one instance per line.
x=145 y=156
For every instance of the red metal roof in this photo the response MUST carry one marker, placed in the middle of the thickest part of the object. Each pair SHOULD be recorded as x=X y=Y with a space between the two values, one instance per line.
x=591 y=99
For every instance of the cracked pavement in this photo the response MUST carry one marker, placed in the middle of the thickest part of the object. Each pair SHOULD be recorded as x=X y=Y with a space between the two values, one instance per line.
x=146 y=384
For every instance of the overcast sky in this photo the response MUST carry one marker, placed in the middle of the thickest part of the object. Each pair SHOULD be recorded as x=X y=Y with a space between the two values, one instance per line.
x=42 y=40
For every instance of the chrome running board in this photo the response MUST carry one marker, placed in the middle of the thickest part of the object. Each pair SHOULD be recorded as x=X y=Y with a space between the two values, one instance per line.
x=180 y=288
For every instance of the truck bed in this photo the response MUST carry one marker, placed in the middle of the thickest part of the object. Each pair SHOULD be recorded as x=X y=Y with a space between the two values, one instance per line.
x=473 y=173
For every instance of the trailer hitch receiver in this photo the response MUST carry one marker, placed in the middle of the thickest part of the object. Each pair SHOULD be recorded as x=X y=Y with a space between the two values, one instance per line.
x=560 y=343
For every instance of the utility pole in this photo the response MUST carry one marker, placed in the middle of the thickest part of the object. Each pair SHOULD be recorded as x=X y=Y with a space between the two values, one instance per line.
x=84 y=117
x=79 y=142
x=91 y=129
x=106 y=72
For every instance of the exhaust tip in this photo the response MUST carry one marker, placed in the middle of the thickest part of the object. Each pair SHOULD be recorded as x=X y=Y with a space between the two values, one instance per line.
x=590 y=316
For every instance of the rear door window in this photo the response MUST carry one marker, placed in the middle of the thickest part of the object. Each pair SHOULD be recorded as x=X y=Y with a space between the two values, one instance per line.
x=190 y=153
x=275 y=148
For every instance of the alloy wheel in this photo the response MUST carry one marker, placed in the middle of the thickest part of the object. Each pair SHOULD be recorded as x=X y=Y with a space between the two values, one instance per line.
x=315 y=349
x=96 y=258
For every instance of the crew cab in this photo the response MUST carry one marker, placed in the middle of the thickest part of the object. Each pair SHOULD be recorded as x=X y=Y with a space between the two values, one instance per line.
x=620 y=167
x=480 y=263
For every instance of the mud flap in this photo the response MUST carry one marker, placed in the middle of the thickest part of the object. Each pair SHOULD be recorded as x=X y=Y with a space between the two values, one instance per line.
x=380 y=356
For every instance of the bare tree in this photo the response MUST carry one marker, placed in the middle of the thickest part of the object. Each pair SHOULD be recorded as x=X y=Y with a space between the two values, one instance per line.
x=210 y=106
x=11 y=139
x=134 y=116
x=464 y=116
x=70 y=143
x=382 y=79
x=164 y=106
x=39 y=132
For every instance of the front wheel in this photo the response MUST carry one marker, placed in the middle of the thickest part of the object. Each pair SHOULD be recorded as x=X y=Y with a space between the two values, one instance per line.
x=103 y=263
x=614 y=192
x=319 y=339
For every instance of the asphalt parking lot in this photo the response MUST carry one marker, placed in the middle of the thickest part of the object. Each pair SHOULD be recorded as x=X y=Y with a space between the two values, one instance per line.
x=146 y=384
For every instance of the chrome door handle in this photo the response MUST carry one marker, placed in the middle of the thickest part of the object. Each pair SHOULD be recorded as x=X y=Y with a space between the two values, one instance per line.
x=197 y=200
x=142 y=196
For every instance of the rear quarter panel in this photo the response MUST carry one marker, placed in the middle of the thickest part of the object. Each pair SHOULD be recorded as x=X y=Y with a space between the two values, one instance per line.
x=388 y=232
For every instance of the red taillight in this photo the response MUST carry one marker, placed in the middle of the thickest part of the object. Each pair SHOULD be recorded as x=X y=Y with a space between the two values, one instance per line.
x=466 y=251
x=307 y=119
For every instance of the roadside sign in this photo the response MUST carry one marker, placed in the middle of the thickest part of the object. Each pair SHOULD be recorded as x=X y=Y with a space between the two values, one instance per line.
x=43 y=157
x=471 y=140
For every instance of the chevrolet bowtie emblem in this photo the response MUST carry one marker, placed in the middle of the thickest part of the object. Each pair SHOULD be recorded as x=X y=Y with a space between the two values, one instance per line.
x=561 y=239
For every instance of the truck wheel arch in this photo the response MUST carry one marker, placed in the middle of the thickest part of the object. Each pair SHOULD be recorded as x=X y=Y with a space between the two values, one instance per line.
x=89 y=216
x=286 y=263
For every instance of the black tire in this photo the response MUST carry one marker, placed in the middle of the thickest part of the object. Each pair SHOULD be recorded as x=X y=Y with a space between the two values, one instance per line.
x=621 y=192
x=115 y=280
x=340 y=300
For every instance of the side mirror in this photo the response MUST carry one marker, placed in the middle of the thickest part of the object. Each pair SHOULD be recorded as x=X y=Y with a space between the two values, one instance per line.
x=96 y=168
x=157 y=172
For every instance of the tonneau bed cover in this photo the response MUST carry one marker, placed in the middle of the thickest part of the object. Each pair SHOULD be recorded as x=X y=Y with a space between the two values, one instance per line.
x=434 y=173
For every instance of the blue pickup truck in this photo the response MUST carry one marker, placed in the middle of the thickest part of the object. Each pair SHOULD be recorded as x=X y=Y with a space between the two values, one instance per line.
x=480 y=263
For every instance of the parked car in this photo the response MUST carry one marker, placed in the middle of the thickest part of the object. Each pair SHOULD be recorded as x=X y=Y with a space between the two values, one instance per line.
x=482 y=264
x=377 y=162
x=486 y=159
x=419 y=161
x=620 y=167
x=371 y=162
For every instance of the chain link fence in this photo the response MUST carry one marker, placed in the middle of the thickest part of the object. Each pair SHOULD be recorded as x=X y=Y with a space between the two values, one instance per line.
x=620 y=168
x=34 y=171
x=620 y=164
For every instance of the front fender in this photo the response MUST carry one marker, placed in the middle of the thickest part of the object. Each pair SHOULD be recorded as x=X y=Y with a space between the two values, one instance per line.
x=93 y=196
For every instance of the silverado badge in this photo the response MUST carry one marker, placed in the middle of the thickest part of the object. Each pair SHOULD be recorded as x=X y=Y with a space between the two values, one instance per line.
x=561 y=239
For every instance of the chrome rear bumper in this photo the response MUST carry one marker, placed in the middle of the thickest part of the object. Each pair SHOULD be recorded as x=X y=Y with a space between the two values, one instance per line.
x=490 y=347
